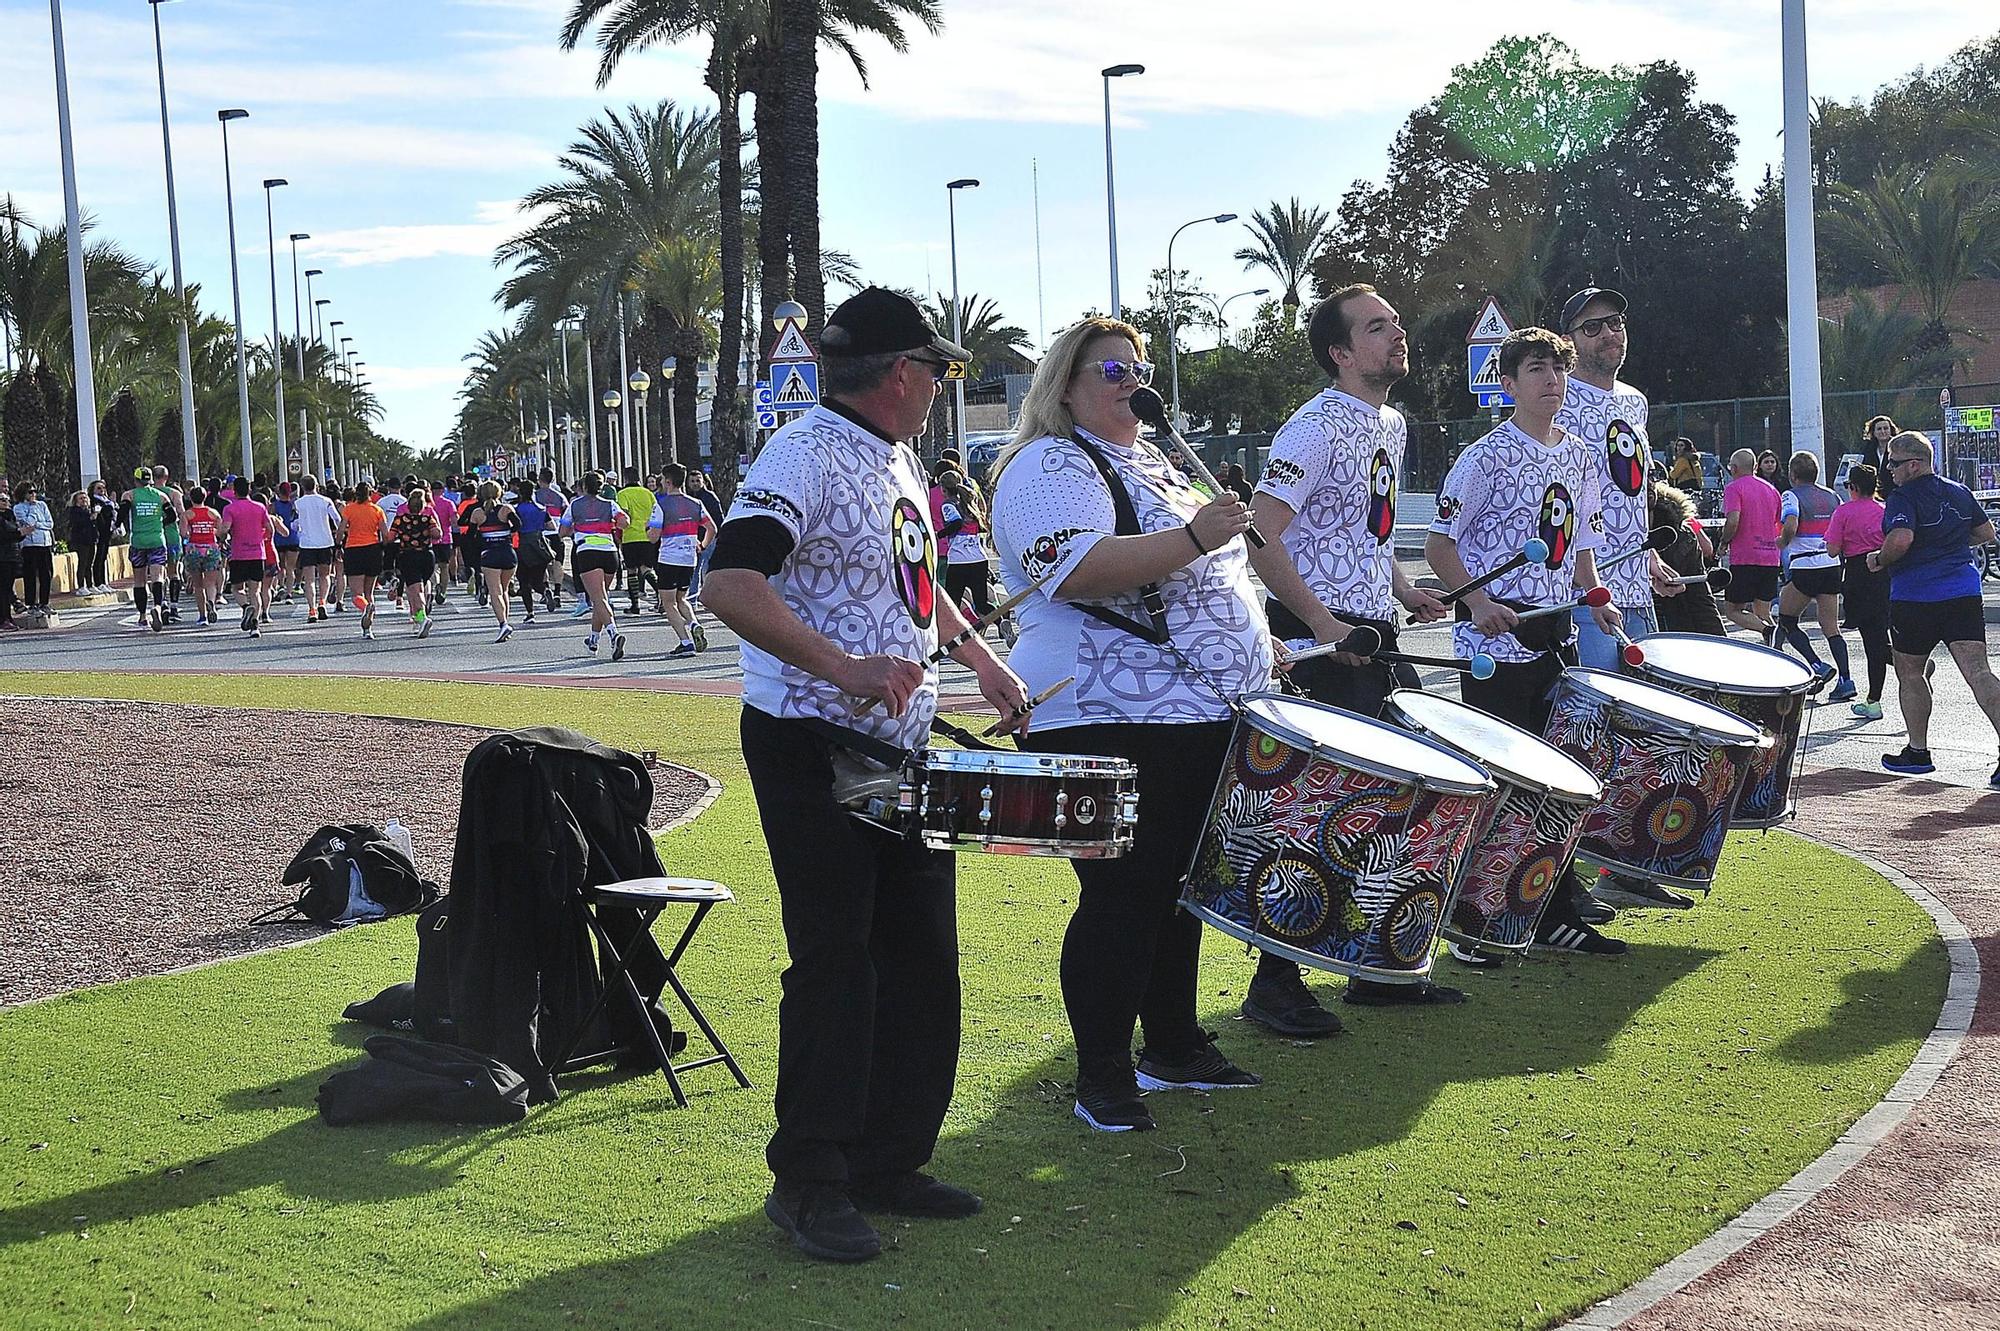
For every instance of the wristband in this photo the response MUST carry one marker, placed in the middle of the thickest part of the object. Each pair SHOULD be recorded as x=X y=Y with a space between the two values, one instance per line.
x=1188 y=527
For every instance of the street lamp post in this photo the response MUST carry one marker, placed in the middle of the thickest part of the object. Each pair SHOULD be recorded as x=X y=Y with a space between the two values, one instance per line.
x=951 y=190
x=1801 y=276
x=639 y=382
x=612 y=400
x=190 y=456
x=299 y=349
x=236 y=293
x=317 y=438
x=79 y=305
x=1110 y=189
x=667 y=367
x=589 y=391
x=624 y=371
x=277 y=332
x=1173 y=309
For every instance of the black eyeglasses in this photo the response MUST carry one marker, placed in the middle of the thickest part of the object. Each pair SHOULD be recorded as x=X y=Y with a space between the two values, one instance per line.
x=1593 y=327
x=1894 y=463
x=938 y=368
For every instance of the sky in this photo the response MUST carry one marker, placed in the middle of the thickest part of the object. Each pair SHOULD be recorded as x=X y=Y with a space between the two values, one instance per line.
x=407 y=130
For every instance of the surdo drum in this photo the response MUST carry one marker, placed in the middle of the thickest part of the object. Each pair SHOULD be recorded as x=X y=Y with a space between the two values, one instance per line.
x=1075 y=806
x=1521 y=852
x=1670 y=765
x=1334 y=839
x=1766 y=688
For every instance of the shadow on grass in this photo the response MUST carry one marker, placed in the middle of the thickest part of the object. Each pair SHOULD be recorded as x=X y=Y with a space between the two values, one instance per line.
x=1126 y=1221
x=1864 y=1021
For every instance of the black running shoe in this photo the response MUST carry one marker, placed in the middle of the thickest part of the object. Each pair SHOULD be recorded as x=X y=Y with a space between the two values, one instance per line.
x=1285 y=1005
x=822 y=1221
x=914 y=1194
x=1112 y=1105
x=1638 y=894
x=1909 y=761
x=1573 y=936
x=1205 y=1069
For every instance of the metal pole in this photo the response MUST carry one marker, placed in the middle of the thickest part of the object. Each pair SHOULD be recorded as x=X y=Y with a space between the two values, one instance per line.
x=299 y=350
x=79 y=304
x=1801 y=281
x=1110 y=200
x=570 y=468
x=624 y=378
x=190 y=453
x=957 y=309
x=590 y=395
x=277 y=330
x=236 y=293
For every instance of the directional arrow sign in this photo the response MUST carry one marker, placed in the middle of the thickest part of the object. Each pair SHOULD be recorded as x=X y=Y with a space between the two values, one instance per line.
x=792 y=344
x=797 y=385
x=956 y=369
x=766 y=420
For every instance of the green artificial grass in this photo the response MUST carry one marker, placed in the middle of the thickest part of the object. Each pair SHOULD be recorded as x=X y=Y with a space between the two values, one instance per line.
x=1500 y=1164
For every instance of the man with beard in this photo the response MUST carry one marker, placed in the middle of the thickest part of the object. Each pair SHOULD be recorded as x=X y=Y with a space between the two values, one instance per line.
x=1326 y=503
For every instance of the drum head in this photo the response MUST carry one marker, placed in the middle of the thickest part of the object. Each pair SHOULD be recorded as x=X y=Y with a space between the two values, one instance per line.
x=1678 y=710
x=1372 y=746
x=1509 y=750
x=1698 y=660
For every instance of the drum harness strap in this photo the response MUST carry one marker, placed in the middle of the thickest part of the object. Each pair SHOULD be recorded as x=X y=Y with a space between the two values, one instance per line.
x=1126 y=523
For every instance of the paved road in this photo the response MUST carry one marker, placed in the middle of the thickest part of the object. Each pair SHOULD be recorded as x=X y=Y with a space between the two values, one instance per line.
x=550 y=650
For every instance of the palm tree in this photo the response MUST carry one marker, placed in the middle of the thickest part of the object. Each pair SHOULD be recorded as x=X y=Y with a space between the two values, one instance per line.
x=682 y=280
x=1287 y=239
x=728 y=24
x=1929 y=233
x=997 y=347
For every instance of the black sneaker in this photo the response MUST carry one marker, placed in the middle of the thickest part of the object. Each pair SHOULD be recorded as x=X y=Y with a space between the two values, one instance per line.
x=916 y=1195
x=685 y=649
x=1574 y=936
x=1592 y=909
x=1909 y=761
x=822 y=1221
x=617 y=646
x=1112 y=1105
x=1285 y=1005
x=1205 y=1069
x=1638 y=894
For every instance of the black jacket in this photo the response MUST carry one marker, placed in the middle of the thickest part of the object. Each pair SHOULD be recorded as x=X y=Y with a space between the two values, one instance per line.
x=1694 y=610
x=545 y=811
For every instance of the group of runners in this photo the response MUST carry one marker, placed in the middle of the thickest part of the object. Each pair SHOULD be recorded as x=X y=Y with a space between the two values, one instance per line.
x=409 y=541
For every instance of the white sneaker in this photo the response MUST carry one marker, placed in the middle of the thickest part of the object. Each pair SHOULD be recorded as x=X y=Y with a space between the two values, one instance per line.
x=506 y=632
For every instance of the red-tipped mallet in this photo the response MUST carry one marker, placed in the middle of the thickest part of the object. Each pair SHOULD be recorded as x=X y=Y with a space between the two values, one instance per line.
x=1591 y=599
x=1535 y=551
x=1631 y=652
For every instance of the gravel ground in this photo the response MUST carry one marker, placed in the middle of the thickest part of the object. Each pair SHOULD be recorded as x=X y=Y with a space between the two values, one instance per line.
x=104 y=876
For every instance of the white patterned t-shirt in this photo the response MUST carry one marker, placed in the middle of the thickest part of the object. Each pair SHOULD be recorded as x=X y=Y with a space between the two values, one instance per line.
x=1049 y=509
x=862 y=570
x=1613 y=426
x=1335 y=464
x=1504 y=490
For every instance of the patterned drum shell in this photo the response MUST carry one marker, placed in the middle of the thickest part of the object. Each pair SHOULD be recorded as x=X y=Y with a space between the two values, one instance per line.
x=1765 y=687
x=1333 y=839
x=1670 y=766
x=1502 y=888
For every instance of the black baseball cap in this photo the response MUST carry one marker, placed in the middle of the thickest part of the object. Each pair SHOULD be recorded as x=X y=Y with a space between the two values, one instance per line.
x=1574 y=305
x=876 y=322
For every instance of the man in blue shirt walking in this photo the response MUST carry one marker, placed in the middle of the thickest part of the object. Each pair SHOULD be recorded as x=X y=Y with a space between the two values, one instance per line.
x=1931 y=529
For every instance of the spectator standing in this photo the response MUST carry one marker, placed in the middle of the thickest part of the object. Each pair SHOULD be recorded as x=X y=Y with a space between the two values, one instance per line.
x=38 y=549
x=81 y=522
x=1855 y=533
x=10 y=567
x=105 y=509
x=1750 y=530
x=1685 y=474
x=1875 y=437
x=1931 y=531
x=1767 y=468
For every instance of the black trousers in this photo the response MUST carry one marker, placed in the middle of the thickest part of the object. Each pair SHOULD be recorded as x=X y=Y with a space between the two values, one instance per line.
x=1865 y=597
x=86 y=560
x=9 y=570
x=868 y=1028
x=38 y=570
x=972 y=582
x=1131 y=954
x=1360 y=689
x=1519 y=690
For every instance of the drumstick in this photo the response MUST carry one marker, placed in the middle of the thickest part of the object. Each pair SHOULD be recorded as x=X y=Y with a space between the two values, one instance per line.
x=1362 y=641
x=1591 y=599
x=1148 y=407
x=1534 y=551
x=1479 y=665
x=1028 y=706
x=1716 y=578
x=974 y=629
x=1657 y=539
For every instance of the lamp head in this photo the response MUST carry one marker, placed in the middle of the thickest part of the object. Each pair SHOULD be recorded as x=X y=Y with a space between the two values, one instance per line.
x=1261 y=291
x=276 y=181
x=234 y=113
x=966 y=183
x=298 y=236
x=612 y=399
x=639 y=382
x=788 y=311
x=1224 y=217
x=1120 y=71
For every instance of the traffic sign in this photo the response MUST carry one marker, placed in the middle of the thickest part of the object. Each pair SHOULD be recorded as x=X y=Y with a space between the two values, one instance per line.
x=1482 y=374
x=501 y=462
x=957 y=369
x=791 y=344
x=766 y=419
x=797 y=385
x=1492 y=325
x=761 y=395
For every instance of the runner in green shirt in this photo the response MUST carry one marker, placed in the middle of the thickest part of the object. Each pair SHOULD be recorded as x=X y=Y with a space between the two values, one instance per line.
x=150 y=513
x=640 y=554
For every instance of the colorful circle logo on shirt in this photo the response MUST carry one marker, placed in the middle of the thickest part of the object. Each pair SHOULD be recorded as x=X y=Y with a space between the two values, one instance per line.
x=1558 y=527
x=1626 y=454
x=916 y=562
x=1382 y=497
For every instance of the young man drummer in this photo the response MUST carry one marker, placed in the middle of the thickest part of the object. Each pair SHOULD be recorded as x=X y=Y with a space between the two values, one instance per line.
x=1527 y=479
x=826 y=567
x=1326 y=504
x=1609 y=416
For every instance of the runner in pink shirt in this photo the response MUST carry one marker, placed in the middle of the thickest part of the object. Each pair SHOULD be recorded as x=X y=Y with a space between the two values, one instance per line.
x=1856 y=529
x=1750 y=530
x=246 y=527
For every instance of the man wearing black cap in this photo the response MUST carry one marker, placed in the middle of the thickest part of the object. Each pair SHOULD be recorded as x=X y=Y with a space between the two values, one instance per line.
x=826 y=567
x=1609 y=416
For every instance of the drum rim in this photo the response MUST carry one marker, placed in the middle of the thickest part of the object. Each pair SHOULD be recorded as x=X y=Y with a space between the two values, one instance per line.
x=1434 y=785
x=1002 y=762
x=1759 y=737
x=1243 y=933
x=1647 y=667
x=1521 y=779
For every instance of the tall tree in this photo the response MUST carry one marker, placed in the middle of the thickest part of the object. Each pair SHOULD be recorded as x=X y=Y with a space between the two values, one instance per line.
x=1286 y=239
x=1931 y=233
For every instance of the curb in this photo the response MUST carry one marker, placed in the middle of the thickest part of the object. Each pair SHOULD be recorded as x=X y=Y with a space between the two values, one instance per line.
x=1961 y=996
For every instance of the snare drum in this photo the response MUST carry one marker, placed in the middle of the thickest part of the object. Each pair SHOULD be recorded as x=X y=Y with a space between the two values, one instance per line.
x=1076 y=806
x=1334 y=839
x=1525 y=846
x=1766 y=688
x=1670 y=766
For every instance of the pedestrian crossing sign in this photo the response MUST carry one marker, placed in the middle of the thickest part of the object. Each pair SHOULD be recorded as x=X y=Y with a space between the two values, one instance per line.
x=797 y=385
x=1482 y=373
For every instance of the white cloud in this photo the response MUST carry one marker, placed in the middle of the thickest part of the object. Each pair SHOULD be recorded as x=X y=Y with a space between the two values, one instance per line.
x=493 y=223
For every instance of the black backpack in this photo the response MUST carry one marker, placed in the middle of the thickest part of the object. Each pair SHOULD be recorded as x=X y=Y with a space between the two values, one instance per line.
x=349 y=873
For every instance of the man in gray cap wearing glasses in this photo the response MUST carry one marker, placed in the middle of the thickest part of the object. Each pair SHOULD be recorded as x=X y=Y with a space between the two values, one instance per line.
x=826 y=567
x=1609 y=416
